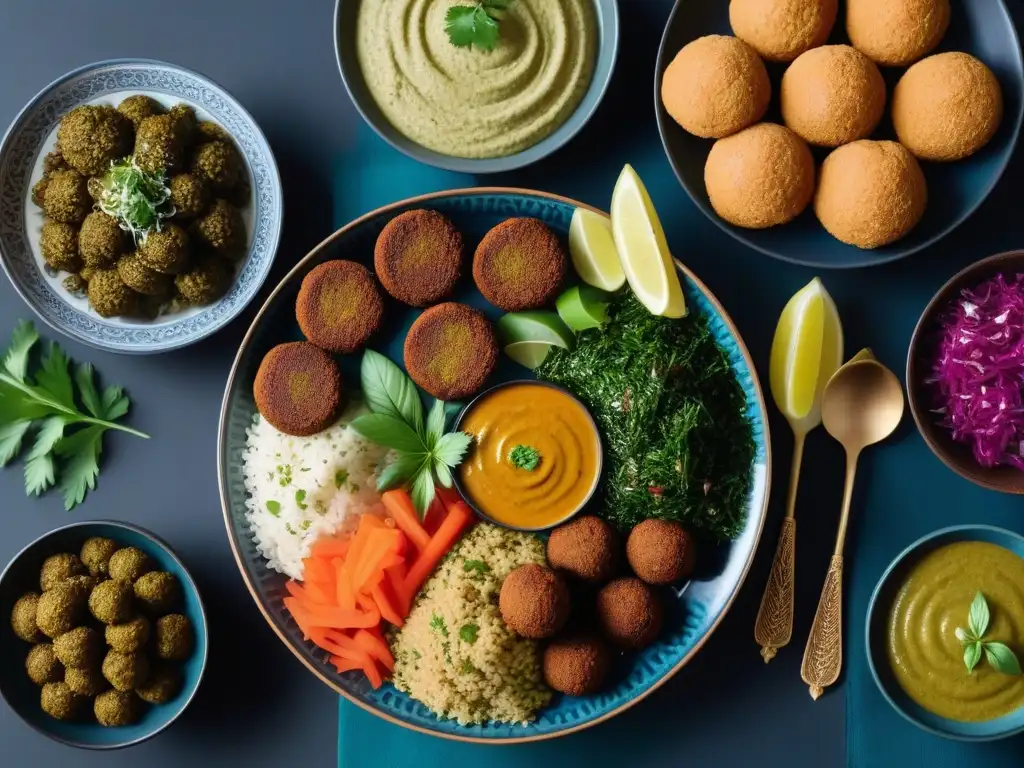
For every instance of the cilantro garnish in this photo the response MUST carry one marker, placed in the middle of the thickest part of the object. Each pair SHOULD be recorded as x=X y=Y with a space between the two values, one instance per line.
x=476 y=24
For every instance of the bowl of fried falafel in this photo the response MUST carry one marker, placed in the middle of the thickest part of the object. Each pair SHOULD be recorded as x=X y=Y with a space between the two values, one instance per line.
x=104 y=638
x=141 y=206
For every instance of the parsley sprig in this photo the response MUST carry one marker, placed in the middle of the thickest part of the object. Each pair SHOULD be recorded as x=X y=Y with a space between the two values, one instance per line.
x=426 y=453
x=67 y=440
x=998 y=655
x=524 y=457
x=476 y=24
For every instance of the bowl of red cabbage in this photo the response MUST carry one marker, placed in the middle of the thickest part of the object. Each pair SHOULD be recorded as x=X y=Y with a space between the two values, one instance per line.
x=965 y=373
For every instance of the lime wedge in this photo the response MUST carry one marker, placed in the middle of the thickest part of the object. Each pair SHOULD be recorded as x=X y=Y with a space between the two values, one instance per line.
x=535 y=325
x=806 y=351
x=529 y=353
x=582 y=307
x=593 y=251
x=643 y=250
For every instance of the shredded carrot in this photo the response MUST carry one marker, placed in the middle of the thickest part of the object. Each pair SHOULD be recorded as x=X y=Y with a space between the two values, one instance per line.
x=331 y=546
x=386 y=603
x=372 y=673
x=399 y=505
x=329 y=616
x=376 y=647
x=344 y=592
x=459 y=518
x=345 y=665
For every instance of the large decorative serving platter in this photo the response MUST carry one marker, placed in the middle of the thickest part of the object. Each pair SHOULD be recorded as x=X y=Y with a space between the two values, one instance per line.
x=34 y=133
x=692 y=617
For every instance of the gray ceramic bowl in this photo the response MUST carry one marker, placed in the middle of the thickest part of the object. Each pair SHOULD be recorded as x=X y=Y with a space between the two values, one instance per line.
x=345 y=12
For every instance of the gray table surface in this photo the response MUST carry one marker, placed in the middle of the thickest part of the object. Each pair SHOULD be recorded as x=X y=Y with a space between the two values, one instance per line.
x=258 y=706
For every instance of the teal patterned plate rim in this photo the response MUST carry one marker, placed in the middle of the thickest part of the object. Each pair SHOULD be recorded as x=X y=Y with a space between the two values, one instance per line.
x=692 y=616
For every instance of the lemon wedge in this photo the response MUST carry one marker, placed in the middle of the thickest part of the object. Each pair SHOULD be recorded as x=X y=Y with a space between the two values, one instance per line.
x=593 y=252
x=806 y=351
x=643 y=250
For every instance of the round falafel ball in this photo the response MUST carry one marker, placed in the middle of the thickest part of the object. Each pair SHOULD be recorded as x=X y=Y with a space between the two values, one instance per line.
x=23 y=618
x=185 y=122
x=218 y=163
x=577 y=664
x=418 y=257
x=871 y=193
x=715 y=86
x=109 y=296
x=43 y=666
x=157 y=592
x=101 y=240
x=39 y=191
x=114 y=709
x=587 y=548
x=95 y=554
x=158 y=144
x=451 y=351
x=140 y=278
x=895 y=33
x=58 y=243
x=534 y=601
x=58 y=568
x=67 y=197
x=85 y=583
x=128 y=564
x=207 y=280
x=661 y=552
x=137 y=108
x=832 y=95
x=520 y=264
x=167 y=250
x=59 y=609
x=781 y=30
x=60 y=702
x=87 y=681
x=221 y=229
x=297 y=388
x=760 y=177
x=630 y=614
x=173 y=635
x=339 y=306
x=92 y=137
x=163 y=684
x=128 y=637
x=125 y=671
x=111 y=601
x=947 y=107
x=189 y=195
x=80 y=648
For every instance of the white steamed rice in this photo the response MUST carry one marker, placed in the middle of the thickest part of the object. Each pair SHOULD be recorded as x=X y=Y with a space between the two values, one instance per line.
x=303 y=487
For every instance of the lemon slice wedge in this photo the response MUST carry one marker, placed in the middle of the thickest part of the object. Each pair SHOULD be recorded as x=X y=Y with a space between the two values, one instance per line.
x=593 y=252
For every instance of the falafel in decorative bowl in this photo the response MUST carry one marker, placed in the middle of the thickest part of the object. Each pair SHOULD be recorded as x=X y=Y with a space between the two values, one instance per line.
x=103 y=641
x=141 y=206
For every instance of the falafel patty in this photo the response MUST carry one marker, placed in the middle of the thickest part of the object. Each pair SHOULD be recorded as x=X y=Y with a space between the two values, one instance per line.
x=418 y=257
x=520 y=264
x=298 y=388
x=450 y=351
x=339 y=306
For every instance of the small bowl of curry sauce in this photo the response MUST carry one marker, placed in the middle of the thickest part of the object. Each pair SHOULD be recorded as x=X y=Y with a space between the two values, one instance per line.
x=939 y=598
x=536 y=456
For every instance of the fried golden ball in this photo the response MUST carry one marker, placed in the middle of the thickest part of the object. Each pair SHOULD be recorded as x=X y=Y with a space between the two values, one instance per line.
x=129 y=563
x=95 y=554
x=43 y=666
x=58 y=244
x=67 y=197
x=125 y=671
x=109 y=295
x=781 y=30
x=157 y=592
x=115 y=708
x=60 y=702
x=80 y=648
x=58 y=568
x=101 y=241
x=111 y=601
x=128 y=637
x=896 y=33
x=23 y=618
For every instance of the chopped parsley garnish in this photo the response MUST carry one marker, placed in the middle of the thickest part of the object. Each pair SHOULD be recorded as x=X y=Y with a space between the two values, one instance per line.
x=467 y=667
x=475 y=565
x=437 y=624
x=524 y=457
x=340 y=478
x=300 y=499
x=468 y=633
x=274 y=508
x=476 y=24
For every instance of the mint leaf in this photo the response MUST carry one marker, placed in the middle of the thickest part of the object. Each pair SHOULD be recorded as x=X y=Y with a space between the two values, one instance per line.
x=23 y=339
x=451 y=448
x=1002 y=659
x=399 y=471
x=53 y=376
x=85 y=380
x=964 y=636
x=972 y=655
x=979 y=616
x=389 y=392
x=389 y=432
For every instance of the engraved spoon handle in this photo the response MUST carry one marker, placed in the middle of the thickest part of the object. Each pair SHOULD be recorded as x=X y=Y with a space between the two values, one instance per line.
x=774 y=626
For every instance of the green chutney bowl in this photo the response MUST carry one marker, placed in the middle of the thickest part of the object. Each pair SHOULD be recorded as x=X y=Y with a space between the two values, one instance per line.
x=877 y=641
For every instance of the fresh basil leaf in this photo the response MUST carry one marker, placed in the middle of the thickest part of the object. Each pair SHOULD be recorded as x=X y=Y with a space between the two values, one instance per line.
x=399 y=471
x=972 y=655
x=435 y=424
x=23 y=339
x=389 y=391
x=389 y=432
x=451 y=448
x=979 y=616
x=53 y=377
x=964 y=636
x=10 y=439
x=1002 y=659
x=444 y=474
x=86 y=382
x=423 y=491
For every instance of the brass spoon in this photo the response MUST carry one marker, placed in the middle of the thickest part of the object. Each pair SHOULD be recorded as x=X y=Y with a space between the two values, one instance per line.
x=862 y=405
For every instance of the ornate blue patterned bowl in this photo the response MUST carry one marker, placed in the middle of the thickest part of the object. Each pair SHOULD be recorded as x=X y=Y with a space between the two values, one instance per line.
x=691 y=618
x=33 y=134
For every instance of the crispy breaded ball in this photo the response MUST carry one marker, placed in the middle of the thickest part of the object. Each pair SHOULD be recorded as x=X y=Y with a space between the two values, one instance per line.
x=209 y=131
x=167 y=250
x=520 y=264
x=418 y=257
x=128 y=564
x=23 y=618
x=59 y=609
x=760 y=177
x=577 y=664
x=39 y=191
x=219 y=164
x=60 y=702
x=534 y=601
x=871 y=193
x=88 y=681
x=101 y=240
x=221 y=229
x=781 y=30
x=947 y=107
x=587 y=548
x=189 y=195
x=67 y=197
x=157 y=592
x=92 y=137
x=715 y=86
x=137 y=108
x=298 y=389
x=111 y=601
x=128 y=637
x=115 y=708
x=185 y=122
x=339 y=306
x=125 y=671
x=95 y=554
x=158 y=145
x=109 y=295
x=54 y=161
x=59 y=567
x=832 y=95
x=43 y=666
x=630 y=614
x=661 y=552
x=80 y=648
x=173 y=637
x=896 y=33
x=164 y=684
x=58 y=244
x=140 y=278
x=205 y=281
x=450 y=350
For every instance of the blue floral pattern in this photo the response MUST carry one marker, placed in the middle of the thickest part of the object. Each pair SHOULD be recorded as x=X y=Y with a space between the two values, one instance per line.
x=25 y=140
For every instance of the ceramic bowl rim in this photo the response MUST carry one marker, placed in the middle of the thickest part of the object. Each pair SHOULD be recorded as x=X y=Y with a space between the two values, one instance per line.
x=593 y=424
x=505 y=163
x=964 y=533
x=190 y=585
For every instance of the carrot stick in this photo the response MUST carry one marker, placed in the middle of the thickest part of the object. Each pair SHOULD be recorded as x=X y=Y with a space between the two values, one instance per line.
x=332 y=617
x=346 y=665
x=395 y=577
x=376 y=647
x=436 y=514
x=344 y=593
x=448 y=496
x=386 y=604
x=459 y=518
x=330 y=546
x=315 y=569
x=372 y=673
x=400 y=507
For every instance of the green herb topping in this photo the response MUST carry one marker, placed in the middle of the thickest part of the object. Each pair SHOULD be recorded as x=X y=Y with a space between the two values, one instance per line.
x=274 y=508
x=137 y=199
x=524 y=457
x=437 y=624
x=475 y=24
x=468 y=633
x=47 y=408
x=340 y=478
x=998 y=655
x=300 y=500
x=475 y=565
